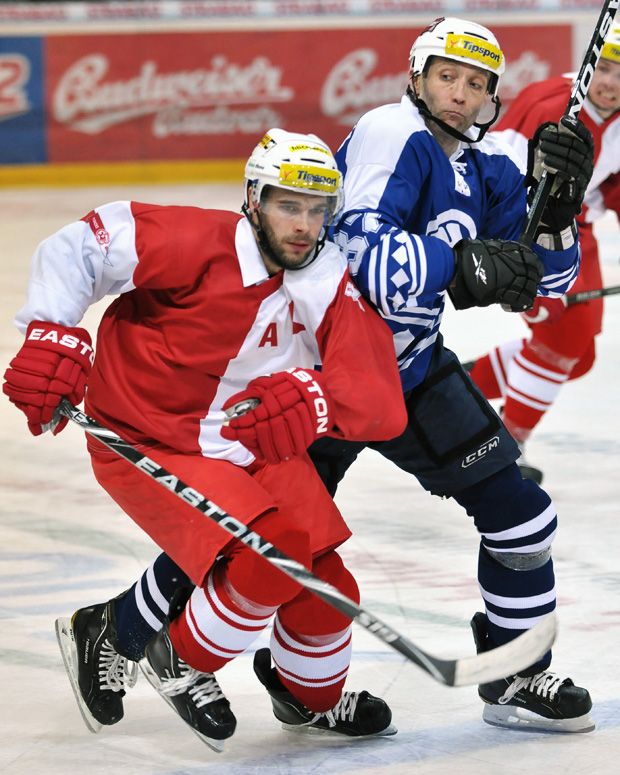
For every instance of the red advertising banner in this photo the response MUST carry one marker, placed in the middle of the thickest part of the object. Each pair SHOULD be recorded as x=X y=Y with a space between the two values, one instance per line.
x=211 y=95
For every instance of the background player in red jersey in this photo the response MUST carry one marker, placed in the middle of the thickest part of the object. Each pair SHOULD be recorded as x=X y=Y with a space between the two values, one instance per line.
x=528 y=374
x=210 y=303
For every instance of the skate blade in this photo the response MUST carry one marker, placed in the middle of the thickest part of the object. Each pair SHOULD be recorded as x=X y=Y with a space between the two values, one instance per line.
x=306 y=729
x=152 y=677
x=66 y=643
x=512 y=717
x=530 y=472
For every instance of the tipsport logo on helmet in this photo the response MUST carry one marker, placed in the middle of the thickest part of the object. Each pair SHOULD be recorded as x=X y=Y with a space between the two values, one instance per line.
x=468 y=47
x=611 y=51
x=309 y=177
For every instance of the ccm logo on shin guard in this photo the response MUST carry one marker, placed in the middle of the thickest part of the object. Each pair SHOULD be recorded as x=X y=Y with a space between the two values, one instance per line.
x=474 y=457
x=321 y=409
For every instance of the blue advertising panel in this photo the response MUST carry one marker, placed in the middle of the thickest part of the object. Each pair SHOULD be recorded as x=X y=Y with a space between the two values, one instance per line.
x=22 y=106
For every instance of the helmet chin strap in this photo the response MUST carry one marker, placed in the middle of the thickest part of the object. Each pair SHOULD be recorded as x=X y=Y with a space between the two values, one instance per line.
x=450 y=130
x=263 y=241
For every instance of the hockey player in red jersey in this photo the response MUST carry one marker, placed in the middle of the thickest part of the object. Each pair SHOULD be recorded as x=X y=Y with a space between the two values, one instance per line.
x=433 y=204
x=528 y=374
x=214 y=307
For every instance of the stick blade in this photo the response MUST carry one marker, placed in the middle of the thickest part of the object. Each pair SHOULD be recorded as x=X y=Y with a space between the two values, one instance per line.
x=510 y=658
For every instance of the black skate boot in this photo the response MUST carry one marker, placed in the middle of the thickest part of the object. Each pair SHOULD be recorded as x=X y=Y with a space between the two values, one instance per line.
x=528 y=471
x=542 y=702
x=358 y=714
x=195 y=696
x=98 y=673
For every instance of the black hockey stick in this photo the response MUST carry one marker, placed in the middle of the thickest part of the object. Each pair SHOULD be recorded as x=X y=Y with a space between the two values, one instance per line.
x=595 y=293
x=575 y=103
x=506 y=660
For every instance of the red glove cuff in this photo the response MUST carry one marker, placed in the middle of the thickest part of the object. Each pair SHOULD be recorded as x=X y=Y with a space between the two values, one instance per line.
x=74 y=343
x=308 y=383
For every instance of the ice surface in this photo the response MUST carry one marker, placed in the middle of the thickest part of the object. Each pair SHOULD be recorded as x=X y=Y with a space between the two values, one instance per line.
x=64 y=544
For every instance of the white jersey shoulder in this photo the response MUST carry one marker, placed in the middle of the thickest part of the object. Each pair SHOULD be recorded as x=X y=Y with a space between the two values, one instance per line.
x=374 y=149
x=507 y=143
x=79 y=265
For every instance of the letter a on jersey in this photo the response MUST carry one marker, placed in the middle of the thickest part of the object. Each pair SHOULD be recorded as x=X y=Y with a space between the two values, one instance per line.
x=270 y=337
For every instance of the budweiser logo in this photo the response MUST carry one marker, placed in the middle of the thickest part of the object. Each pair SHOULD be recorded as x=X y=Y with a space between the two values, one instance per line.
x=350 y=89
x=88 y=101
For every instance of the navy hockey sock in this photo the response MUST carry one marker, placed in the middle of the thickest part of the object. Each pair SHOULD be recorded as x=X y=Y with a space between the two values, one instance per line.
x=141 y=610
x=517 y=522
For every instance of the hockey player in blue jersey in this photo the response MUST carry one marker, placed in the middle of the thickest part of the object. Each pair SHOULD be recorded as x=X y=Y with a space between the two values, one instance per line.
x=432 y=205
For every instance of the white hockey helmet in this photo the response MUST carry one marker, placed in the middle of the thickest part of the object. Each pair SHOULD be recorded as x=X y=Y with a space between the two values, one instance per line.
x=611 y=47
x=295 y=162
x=463 y=41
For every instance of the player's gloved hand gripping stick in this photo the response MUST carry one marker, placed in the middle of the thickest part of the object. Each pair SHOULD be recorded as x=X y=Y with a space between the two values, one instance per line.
x=570 y=134
x=290 y=410
x=491 y=665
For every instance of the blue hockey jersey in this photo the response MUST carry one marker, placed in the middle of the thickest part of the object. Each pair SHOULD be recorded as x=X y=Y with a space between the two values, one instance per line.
x=407 y=203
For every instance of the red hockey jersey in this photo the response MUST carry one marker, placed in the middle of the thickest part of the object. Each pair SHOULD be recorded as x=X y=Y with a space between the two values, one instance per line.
x=197 y=317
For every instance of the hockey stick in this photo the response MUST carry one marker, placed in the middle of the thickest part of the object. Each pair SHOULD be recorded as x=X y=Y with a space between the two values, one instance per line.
x=505 y=660
x=575 y=103
x=595 y=293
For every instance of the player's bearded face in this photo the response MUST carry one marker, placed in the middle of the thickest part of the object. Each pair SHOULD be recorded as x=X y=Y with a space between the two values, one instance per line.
x=292 y=224
x=454 y=92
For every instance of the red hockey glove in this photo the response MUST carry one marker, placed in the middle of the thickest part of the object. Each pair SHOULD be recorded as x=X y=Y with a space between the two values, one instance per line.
x=294 y=411
x=545 y=310
x=54 y=362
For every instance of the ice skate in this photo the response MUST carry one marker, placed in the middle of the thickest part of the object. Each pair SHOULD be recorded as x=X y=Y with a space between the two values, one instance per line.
x=543 y=702
x=528 y=471
x=98 y=673
x=358 y=714
x=195 y=696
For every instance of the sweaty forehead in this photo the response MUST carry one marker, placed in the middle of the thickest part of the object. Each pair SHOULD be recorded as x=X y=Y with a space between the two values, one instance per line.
x=610 y=65
x=438 y=62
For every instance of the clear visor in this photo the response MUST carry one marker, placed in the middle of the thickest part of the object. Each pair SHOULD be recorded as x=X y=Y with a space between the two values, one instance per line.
x=292 y=206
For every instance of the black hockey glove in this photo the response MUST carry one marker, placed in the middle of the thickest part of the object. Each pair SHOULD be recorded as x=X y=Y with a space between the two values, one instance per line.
x=567 y=152
x=495 y=272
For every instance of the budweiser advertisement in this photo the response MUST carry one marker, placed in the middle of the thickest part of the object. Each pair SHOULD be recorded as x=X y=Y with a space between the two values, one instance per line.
x=211 y=95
